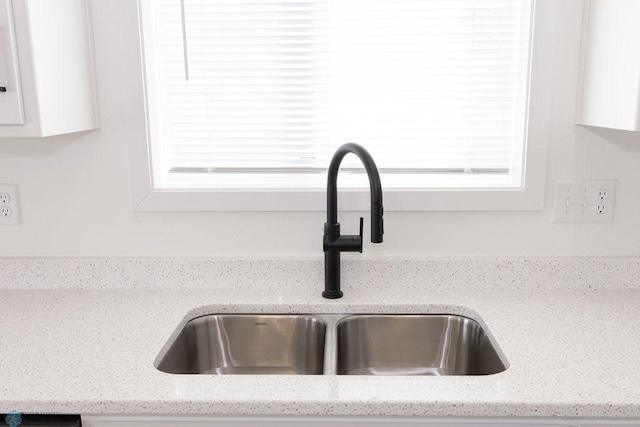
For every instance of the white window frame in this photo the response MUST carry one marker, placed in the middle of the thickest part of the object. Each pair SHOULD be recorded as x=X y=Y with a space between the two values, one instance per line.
x=529 y=197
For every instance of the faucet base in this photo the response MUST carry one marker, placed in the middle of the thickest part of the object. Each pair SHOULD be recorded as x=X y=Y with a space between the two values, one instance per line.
x=332 y=294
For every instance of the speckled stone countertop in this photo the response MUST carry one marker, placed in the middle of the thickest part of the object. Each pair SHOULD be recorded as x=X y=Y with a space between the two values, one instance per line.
x=571 y=352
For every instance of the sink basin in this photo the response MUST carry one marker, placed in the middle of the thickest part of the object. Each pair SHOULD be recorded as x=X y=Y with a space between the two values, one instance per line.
x=414 y=345
x=248 y=344
x=330 y=344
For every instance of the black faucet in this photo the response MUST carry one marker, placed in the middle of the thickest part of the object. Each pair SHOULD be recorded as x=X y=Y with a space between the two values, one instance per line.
x=333 y=242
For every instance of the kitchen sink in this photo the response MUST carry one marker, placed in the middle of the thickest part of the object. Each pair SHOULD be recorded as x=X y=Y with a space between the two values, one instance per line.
x=248 y=344
x=414 y=345
x=332 y=344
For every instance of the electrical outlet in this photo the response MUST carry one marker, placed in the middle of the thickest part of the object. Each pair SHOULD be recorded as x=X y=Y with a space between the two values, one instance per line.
x=584 y=201
x=9 y=205
x=603 y=194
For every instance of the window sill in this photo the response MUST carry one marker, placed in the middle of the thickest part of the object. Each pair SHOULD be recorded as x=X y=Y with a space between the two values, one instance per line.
x=315 y=200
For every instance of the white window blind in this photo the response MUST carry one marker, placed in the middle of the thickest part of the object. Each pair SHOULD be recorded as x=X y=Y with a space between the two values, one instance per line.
x=260 y=93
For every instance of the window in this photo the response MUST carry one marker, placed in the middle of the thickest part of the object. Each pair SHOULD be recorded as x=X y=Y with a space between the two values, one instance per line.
x=253 y=97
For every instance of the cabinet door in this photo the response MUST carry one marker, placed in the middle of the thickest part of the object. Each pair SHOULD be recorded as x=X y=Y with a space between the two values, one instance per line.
x=11 y=109
x=612 y=423
x=310 y=421
x=611 y=65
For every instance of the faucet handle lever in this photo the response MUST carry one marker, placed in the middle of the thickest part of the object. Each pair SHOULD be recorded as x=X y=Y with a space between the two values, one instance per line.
x=361 y=229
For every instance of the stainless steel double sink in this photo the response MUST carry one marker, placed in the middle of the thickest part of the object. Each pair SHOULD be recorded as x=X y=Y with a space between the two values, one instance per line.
x=330 y=344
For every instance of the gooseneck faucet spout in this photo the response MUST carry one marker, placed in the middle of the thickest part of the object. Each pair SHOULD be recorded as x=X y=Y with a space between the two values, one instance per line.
x=333 y=242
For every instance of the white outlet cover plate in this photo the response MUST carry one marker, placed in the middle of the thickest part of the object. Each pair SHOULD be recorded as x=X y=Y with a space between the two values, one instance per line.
x=13 y=204
x=580 y=201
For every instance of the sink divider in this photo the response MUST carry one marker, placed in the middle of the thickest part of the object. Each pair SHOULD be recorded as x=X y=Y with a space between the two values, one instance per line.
x=331 y=343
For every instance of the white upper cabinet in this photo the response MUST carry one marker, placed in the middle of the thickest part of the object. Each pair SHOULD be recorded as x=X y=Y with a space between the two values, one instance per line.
x=611 y=65
x=47 y=76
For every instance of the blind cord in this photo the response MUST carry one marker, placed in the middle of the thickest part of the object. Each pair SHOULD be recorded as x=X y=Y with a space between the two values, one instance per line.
x=184 y=42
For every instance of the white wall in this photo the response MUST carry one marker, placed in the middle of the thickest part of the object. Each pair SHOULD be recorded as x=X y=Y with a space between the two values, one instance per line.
x=75 y=189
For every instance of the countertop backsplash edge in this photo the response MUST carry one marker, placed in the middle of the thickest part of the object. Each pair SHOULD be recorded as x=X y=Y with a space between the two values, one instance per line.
x=300 y=272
